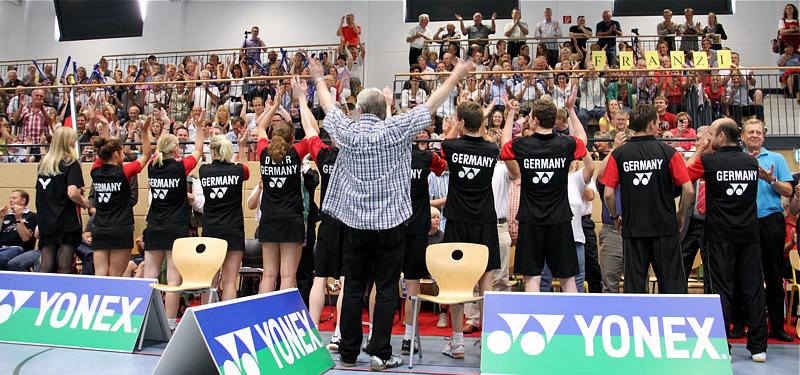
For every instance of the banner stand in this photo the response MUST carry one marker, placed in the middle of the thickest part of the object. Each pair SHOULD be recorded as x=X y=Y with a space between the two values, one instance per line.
x=155 y=326
x=263 y=334
x=187 y=343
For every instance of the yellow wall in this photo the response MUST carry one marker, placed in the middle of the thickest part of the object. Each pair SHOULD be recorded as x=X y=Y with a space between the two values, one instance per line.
x=23 y=176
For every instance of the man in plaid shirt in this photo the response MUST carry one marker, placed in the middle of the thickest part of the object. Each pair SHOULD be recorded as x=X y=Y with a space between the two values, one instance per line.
x=33 y=117
x=370 y=193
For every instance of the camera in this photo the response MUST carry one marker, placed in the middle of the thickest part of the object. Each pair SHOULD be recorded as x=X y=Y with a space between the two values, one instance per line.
x=635 y=31
x=246 y=33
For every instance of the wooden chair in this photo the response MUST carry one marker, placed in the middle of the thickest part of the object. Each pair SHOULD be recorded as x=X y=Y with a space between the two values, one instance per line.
x=792 y=287
x=456 y=267
x=198 y=259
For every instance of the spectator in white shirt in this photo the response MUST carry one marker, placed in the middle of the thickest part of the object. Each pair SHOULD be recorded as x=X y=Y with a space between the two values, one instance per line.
x=412 y=96
x=417 y=36
x=549 y=30
x=515 y=31
x=593 y=96
x=206 y=95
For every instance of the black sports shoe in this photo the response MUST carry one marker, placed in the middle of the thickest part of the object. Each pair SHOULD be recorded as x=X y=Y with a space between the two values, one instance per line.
x=405 y=349
x=781 y=335
x=737 y=332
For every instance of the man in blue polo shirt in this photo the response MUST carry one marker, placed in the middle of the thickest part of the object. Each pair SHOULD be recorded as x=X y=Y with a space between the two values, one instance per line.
x=775 y=181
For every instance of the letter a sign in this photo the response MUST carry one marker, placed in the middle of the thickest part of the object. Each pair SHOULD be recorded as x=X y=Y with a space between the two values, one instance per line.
x=262 y=334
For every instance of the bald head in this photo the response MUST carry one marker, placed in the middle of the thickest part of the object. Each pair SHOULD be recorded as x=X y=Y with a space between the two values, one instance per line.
x=724 y=132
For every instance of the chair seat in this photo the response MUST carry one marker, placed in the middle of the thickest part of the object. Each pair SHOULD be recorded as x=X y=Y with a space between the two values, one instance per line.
x=448 y=300
x=179 y=288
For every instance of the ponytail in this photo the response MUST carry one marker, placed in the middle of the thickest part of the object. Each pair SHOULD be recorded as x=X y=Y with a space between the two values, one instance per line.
x=282 y=137
x=165 y=146
x=106 y=147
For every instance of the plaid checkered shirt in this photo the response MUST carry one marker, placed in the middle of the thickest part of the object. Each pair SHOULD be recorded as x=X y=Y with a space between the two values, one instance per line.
x=371 y=186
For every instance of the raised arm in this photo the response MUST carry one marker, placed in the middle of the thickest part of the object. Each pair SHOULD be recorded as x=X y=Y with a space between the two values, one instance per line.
x=322 y=92
x=300 y=90
x=266 y=117
x=146 y=146
x=575 y=125
x=461 y=23
x=439 y=95
x=199 y=141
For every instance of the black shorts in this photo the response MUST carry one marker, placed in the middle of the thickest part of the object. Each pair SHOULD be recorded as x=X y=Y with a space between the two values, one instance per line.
x=481 y=233
x=414 y=267
x=112 y=238
x=161 y=237
x=552 y=243
x=234 y=236
x=58 y=239
x=283 y=230
x=328 y=251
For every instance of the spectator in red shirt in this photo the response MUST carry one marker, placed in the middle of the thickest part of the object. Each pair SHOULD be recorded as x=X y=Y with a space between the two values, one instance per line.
x=684 y=130
x=714 y=93
x=666 y=120
x=349 y=33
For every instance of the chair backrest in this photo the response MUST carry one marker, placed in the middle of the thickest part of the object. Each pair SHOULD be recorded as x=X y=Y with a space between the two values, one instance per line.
x=794 y=259
x=198 y=258
x=456 y=267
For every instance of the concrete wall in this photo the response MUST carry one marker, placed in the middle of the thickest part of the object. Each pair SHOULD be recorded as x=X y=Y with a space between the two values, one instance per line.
x=193 y=24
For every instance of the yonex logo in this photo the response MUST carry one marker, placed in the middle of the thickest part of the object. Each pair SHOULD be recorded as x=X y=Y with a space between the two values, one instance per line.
x=241 y=363
x=159 y=193
x=277 y=182
x=642 y=178
x=218 y=192
x=44 y=182
x=532 y=343
x=737 y=189
x=103 y=197
x=20 y=297
x=468 y=172
x=543 y=177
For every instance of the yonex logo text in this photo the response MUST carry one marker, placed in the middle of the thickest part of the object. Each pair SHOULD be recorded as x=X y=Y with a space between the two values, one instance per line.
x=642 y=178
x=543 y=177
x=737 y=189
x=468 y=172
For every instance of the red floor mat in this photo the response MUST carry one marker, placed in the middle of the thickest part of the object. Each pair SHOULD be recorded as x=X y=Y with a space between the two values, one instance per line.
x=790 y=330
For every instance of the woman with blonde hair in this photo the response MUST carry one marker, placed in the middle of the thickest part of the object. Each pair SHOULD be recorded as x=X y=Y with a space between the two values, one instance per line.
x=112 y=238
x=282 y=227
x=59 y=197
x=223 y=118
x=222 y=183
x=168 y=217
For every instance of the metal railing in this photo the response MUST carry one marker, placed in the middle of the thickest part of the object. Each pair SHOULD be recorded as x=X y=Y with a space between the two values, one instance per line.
x=25 y=67
x=766 y=92
x=267 y=56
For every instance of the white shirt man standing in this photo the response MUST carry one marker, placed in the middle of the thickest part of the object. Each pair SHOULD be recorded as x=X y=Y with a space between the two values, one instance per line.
x=549 y=30
x=417 y=36
x=515 y=31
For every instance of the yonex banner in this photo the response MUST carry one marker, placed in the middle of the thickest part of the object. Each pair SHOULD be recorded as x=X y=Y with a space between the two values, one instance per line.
x=105 y=313
x=263 y=334
x=554 y=333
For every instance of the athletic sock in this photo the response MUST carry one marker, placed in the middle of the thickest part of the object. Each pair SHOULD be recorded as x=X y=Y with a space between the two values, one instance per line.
x=336 y=333
x=458 y=338
x=172 y=323
x=407 y=335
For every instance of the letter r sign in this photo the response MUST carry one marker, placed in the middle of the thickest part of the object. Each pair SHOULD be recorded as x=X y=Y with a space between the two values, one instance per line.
x=567 y=20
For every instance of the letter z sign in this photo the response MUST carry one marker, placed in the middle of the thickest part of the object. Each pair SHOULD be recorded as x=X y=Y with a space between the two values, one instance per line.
x=527 y=333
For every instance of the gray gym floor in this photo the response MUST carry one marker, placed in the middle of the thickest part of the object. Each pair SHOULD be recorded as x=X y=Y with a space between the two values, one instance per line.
x=38 y=360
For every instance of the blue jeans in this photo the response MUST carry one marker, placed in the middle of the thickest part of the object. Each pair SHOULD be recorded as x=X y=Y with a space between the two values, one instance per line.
x=7 y=253
x=26 y=261
x=546 y=284
x=595 y=113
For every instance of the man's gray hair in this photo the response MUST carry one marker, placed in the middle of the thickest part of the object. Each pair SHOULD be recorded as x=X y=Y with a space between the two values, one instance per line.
x=424 y=16
x=371 y=101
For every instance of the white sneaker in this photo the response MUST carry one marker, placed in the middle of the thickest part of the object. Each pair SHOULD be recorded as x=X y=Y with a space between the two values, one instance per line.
x=442 y=323
x=377 y=364
x=759 y=357
x=454 y=350
x=333 y=347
